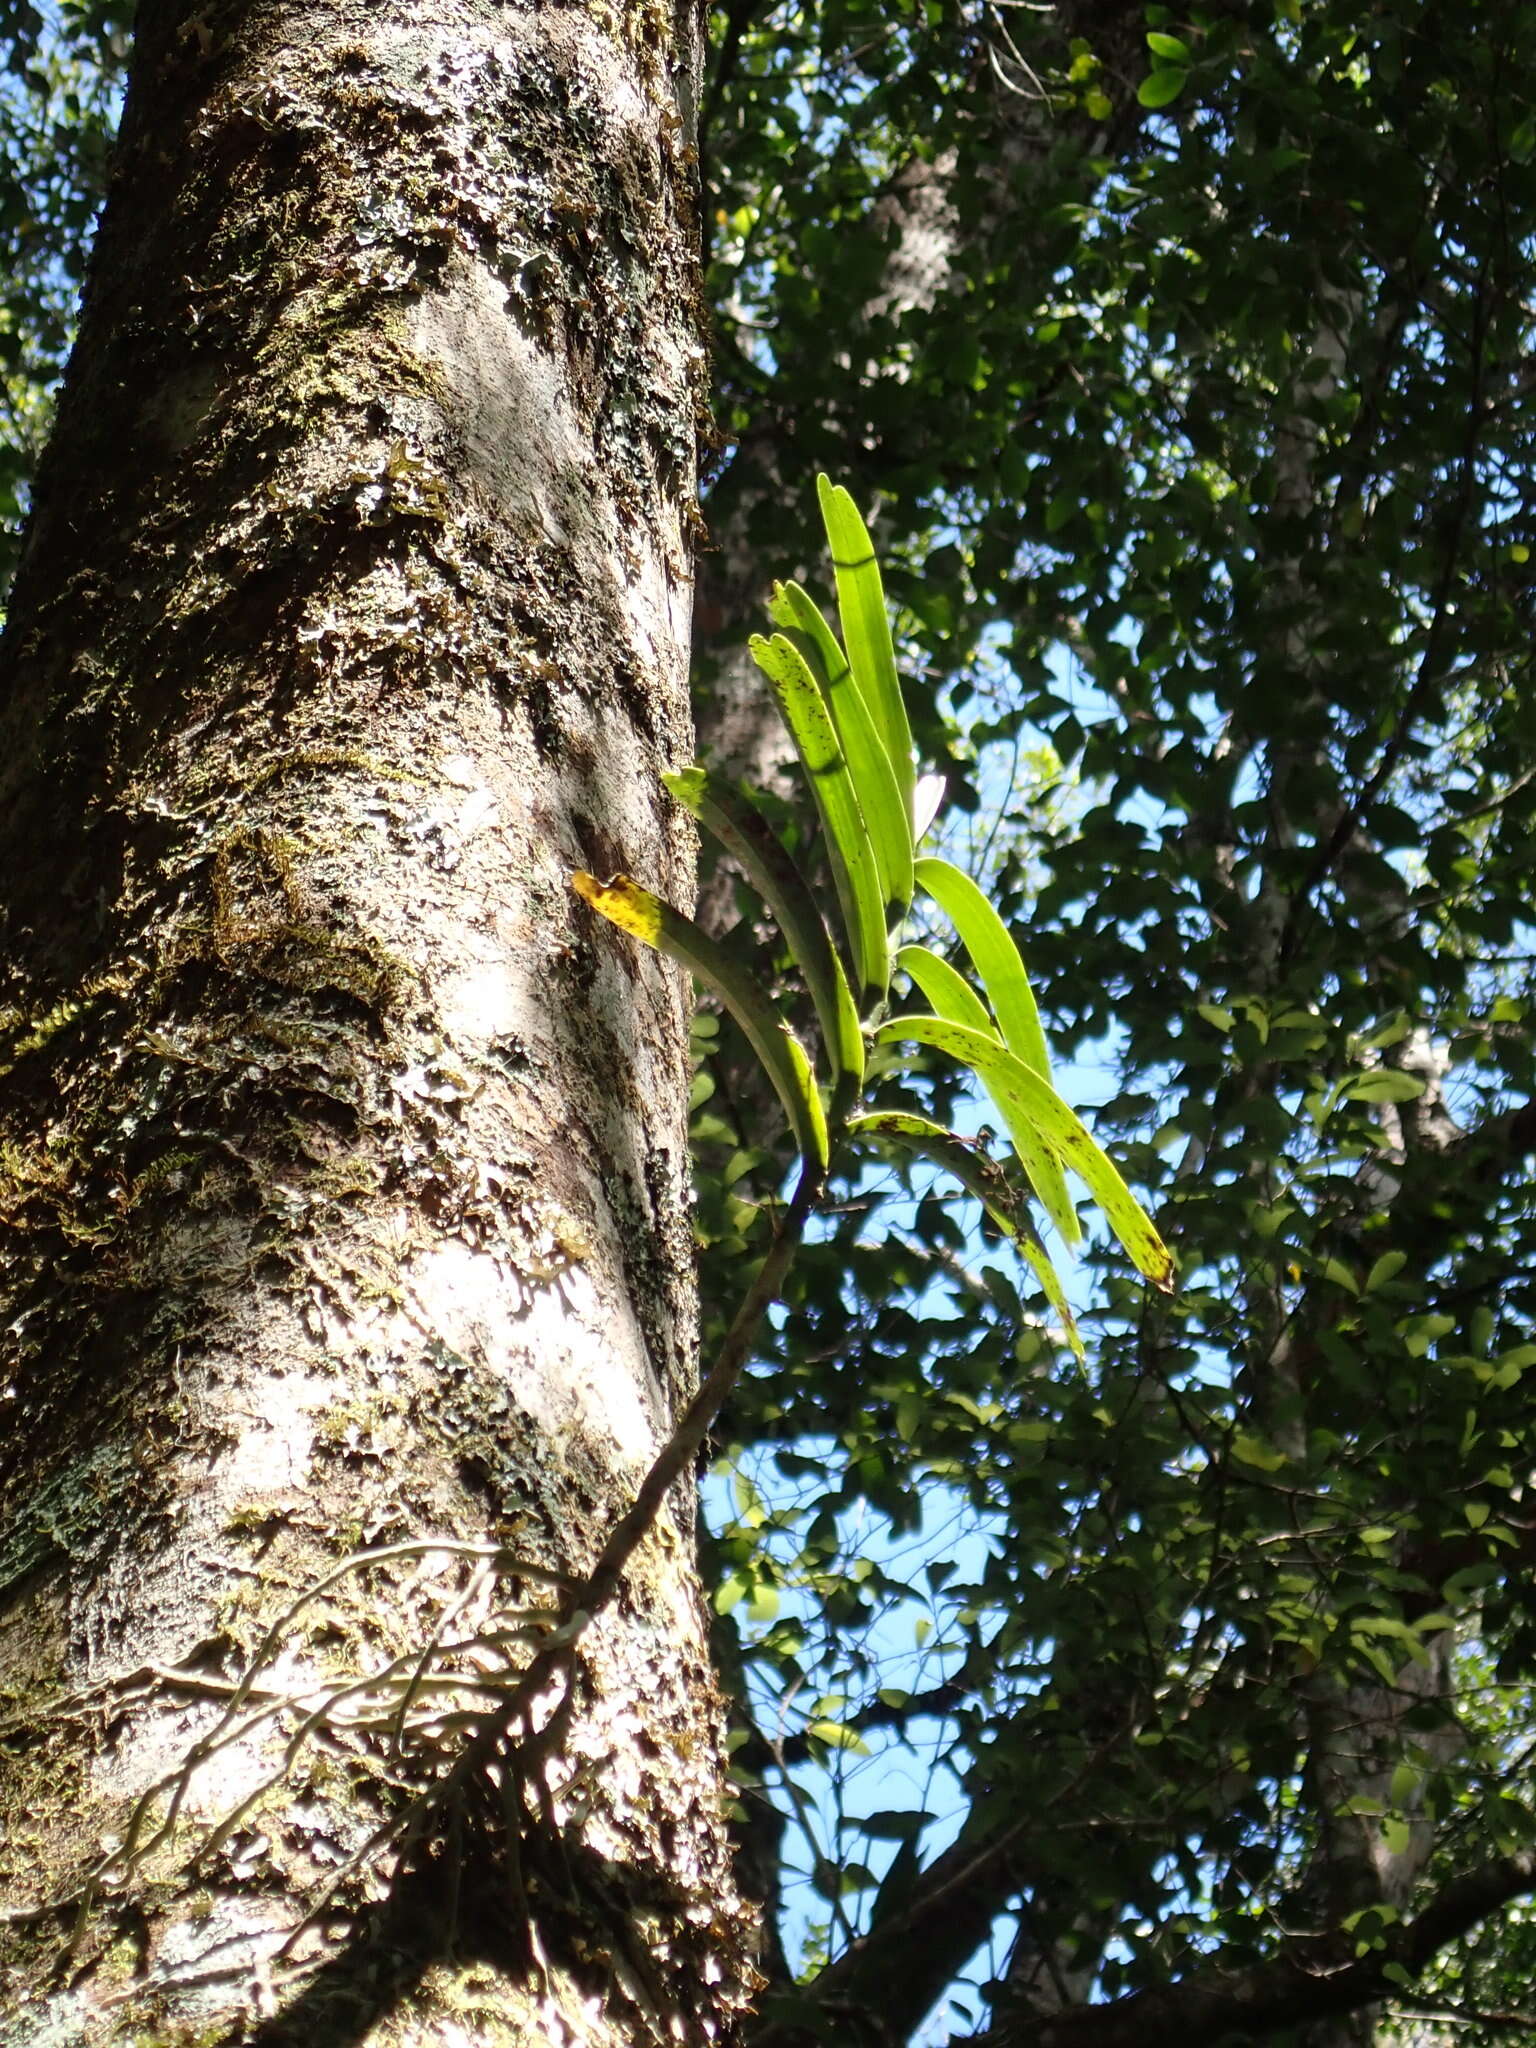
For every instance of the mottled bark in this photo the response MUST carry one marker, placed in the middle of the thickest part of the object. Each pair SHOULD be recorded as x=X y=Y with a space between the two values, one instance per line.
x=1353 y=1736
x=342 y=1157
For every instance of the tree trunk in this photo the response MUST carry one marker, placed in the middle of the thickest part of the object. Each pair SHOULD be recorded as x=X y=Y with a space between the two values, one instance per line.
x=342 y=1156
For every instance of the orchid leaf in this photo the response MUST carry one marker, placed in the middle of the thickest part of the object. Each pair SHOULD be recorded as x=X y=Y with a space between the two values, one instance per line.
x=1032 y=1109
x=948 y=990
x=646 y=917
x=726 y=810
x=867 y=629
x=980 y=1175
x=854 y=868
x=1000 y=965
x=796 y=613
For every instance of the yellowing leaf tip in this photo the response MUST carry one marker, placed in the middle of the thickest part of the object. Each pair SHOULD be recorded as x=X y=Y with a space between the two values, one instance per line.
x=623 y=902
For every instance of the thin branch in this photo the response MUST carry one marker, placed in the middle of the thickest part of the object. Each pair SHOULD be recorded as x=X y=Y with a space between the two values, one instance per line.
x=677 y=1455
x=1315 y=1977
x=1468 y=2016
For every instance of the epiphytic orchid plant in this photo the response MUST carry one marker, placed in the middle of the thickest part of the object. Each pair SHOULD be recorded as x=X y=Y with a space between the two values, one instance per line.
x=842 y=704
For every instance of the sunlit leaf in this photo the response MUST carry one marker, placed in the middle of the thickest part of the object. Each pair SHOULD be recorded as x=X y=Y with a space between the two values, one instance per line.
x=949 y=992
x=867 y=628
x=854 y=867
x=1000 y=964
x=1161 y=88
x=1033 y=1108
x=874 y=781
x=980 y=1175
x=996 y=957
x=839 y=1736
x=1384 y=1084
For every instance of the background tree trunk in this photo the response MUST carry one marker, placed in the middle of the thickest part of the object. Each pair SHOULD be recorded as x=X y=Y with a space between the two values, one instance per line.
x=989 y=187
x=344 y=1164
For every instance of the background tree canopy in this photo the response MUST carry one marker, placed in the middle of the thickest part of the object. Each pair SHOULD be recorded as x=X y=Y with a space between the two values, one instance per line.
x=1186 y=360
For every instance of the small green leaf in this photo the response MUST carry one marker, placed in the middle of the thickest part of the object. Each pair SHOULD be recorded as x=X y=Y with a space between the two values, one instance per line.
x=1384 y=1084
x=1406 y=1779
x=1171 y=47
x=764 y=1602
x=911 y=1413
x=893 y=1824
x=730 y=1592
x=749 y=1501
x=1419 y=1332
x=1162 y=88
x=838 y=1736
x=1252 y=1450
x=1386 y=1268
x=1393 y=1032
x=644 y=916
x=842 y=1881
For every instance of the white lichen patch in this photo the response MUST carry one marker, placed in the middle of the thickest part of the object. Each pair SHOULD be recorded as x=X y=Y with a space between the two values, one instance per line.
x=486 y=1000
x=572 y=1359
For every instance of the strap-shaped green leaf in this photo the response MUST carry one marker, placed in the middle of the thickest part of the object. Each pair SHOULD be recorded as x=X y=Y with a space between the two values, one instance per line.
x=1001 y=966
x=854 y=869
x=635 y=910
x=1031 y=1105
x=1041 y=1166
x=867 y=629
x=799 y=617
x=980 y=1175
x=996 y=958
x=792 y=607
x=726 y=809
x=949 y=992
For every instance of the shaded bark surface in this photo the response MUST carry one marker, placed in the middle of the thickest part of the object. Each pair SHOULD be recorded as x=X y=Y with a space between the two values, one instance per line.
x=343 y=1165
